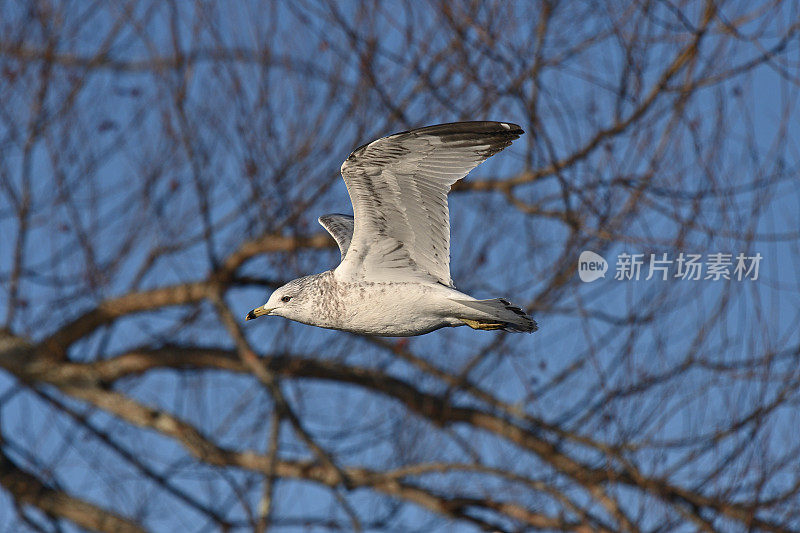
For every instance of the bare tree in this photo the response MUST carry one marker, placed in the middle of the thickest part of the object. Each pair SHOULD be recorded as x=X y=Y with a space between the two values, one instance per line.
x=162 y=165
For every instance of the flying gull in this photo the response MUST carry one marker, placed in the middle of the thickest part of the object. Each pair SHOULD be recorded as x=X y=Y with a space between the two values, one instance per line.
x=394 y=275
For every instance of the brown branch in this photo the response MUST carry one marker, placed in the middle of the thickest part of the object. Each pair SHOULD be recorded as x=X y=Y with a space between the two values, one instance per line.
x=681 y=59
x=55 y=345
x=29 y=490
x=198 y=445
x=432 y=407
x=270 y=381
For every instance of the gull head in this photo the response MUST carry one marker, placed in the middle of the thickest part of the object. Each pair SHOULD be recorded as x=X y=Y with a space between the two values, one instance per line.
x=292 y=301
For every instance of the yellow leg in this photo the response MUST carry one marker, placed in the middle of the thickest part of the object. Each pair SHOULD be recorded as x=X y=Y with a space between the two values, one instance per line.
x=475 y=324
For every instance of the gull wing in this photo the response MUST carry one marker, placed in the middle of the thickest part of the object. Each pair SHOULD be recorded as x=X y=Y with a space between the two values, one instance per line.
x=398 y=186
x=341 y=229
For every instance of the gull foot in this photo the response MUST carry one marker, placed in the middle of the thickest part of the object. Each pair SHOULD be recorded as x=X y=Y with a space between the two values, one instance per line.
x=476 y=324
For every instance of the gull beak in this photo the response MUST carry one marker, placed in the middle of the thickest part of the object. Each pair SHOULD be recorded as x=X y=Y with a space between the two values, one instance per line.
x=257 y=312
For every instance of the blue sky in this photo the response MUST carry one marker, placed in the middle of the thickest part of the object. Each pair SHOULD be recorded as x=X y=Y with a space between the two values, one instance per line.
x=134 y=180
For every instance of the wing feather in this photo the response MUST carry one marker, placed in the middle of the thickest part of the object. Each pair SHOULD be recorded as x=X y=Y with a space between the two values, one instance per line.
x=341 y=229
x=398 y=186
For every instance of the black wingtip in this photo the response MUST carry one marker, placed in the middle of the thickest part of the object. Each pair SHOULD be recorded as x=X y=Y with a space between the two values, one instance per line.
x=467 y=132
x=480 y=127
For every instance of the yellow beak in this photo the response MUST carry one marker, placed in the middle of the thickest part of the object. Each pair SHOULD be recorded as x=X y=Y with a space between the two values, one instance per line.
x=257 y=312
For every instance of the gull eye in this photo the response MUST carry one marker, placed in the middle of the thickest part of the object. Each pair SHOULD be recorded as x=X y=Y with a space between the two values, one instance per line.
x=286 y=298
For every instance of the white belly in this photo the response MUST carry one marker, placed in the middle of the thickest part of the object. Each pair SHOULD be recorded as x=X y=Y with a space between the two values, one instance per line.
x=392 y=309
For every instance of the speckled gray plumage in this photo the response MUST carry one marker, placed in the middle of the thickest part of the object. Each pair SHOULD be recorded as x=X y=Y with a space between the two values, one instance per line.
x=394 y=277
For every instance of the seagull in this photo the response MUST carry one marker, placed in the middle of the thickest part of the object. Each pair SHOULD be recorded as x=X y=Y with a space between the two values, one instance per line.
x=394 y=276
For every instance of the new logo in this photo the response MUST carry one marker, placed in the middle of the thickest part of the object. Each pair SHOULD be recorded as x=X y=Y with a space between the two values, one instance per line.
x=591 y=266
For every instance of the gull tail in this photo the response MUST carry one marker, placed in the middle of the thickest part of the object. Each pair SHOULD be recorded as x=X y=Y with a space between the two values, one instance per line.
x=496 y=313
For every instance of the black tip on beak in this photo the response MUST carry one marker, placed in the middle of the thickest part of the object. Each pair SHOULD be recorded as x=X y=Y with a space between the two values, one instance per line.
x=257 y=312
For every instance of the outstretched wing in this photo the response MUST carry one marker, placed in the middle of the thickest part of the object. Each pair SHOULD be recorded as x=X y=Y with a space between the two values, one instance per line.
x=398 y=186
x=341 y=228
